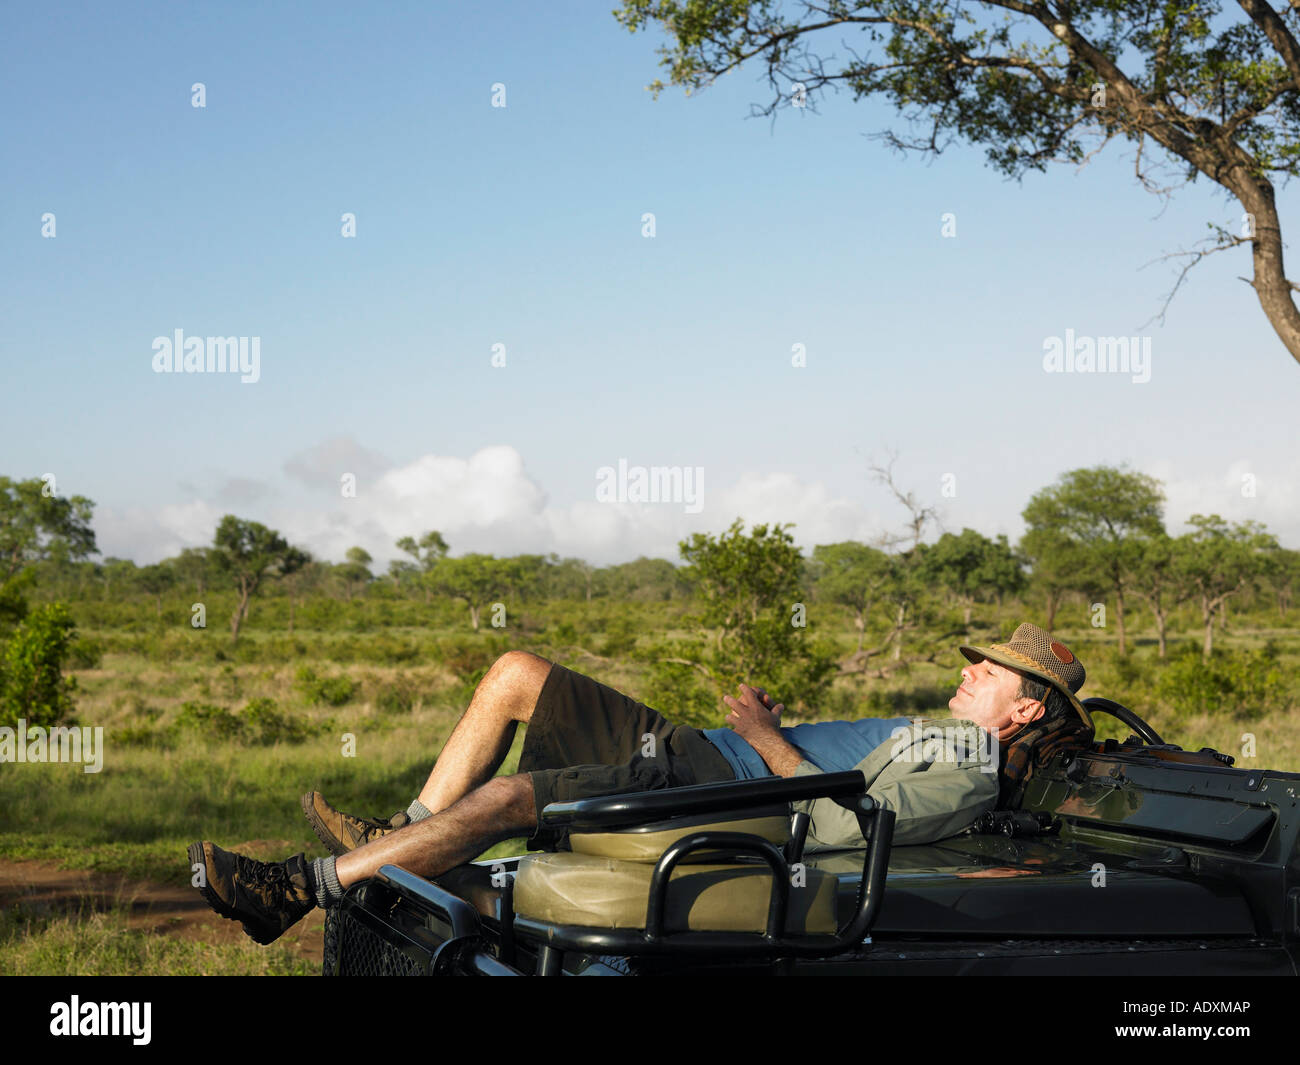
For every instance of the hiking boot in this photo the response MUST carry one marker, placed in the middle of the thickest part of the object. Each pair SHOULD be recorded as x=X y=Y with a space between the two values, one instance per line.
x=265 y=897
x=342 y=832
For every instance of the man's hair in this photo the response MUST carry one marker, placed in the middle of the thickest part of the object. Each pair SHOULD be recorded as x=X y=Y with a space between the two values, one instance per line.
x=1055 y=705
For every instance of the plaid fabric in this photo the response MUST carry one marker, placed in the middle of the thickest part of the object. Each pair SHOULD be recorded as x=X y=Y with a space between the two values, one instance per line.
x=1035 y=747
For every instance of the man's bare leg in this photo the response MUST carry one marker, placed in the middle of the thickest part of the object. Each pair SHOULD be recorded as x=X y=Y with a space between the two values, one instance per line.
x=503 y=700
x=501 y=808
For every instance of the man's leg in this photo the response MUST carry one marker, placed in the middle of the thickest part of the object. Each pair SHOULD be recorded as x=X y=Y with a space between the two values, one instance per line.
x=268 y=898
x=505 y=697
x=500 y=808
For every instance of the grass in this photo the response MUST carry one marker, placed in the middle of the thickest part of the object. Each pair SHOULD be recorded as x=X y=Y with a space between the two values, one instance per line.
x=164 y=785
x=100 y=943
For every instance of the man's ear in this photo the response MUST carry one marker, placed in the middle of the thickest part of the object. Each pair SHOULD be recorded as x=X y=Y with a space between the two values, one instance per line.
x=1029 y=710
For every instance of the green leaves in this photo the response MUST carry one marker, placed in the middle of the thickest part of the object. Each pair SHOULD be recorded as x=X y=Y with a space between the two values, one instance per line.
x=749 y=587
x=32 y=685
x=36 y=524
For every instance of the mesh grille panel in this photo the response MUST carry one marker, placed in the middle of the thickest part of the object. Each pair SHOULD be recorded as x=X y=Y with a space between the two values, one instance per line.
x=362 y=953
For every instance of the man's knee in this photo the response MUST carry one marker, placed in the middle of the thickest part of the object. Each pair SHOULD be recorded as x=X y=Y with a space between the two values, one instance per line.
x=521 y=664
x=518 y=676
x=511 y=796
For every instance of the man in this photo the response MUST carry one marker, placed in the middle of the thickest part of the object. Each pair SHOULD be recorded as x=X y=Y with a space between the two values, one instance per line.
x=584 y=739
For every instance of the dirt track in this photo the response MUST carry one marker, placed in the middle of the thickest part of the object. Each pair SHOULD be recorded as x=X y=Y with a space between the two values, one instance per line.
x=152 y=907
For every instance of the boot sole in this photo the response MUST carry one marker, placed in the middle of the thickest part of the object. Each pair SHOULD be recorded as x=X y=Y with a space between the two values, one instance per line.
x=256 y=933
x=332 y=843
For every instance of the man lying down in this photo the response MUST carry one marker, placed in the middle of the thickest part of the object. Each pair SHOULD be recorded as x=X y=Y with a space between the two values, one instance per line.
x=584 y=739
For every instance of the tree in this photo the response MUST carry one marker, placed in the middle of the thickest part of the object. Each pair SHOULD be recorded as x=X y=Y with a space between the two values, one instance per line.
x=427 y=552
x=1036 y=82
x=1158 y=579
x=194 y=565
x=250 y=553
x=1218 y=561
x=302 y=580
x=117 y=573
x=644 y=580
x=156 y=580
x=355 y=573
x=749 y=587
x=973 y=568
x=907 y=584
x=1055 y=567
x=36 y=525
x=32 y=684
x=475 y=578
x=570 y=578
x=523 y=576
x=853 y=575
x=1104 y=513
x=1283 y=571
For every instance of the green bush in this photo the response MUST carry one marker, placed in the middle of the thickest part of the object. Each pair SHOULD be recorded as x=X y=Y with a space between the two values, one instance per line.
x=1246 y=684
x=85 y=653
x=564 y=634
x=210 y=720
x=329 y=691
x=147 y=736
x=679 y=693
x=397 y=697
x=266 y=724
x=620 y=638
x=32 y=684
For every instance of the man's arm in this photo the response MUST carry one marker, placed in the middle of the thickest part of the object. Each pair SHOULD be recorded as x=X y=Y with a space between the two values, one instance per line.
x=755 y=720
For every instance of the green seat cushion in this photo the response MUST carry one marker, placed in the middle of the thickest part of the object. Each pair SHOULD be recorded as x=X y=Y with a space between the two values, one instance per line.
x=593 y=891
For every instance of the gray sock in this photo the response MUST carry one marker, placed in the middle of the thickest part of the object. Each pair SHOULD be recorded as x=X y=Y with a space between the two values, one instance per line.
x=325 y=881
x=417 y=811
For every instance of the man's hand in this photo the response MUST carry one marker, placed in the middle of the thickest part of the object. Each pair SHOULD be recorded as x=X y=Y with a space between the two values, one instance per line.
x=757 y=720
x=754 y=713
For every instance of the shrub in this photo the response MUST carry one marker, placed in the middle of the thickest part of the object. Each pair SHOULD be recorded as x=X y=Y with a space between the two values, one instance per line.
x=267 y=725
x=398 y=697
x=564 y=634
x=620 y=637
x=32 y=684
x=147 y=736
x=678 y=692
x=85 y=653
x=210 y=720
x=1246 y=684
x=330 y=691
x=142 y=710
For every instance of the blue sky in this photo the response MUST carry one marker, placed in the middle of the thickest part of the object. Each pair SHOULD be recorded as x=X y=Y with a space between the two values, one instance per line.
x=479 y=225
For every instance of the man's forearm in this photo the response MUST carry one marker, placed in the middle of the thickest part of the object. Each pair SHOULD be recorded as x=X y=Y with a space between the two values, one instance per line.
x=779 y=756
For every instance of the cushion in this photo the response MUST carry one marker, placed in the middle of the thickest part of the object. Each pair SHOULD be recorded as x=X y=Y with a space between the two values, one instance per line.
x=645 y=843
x=599 y=892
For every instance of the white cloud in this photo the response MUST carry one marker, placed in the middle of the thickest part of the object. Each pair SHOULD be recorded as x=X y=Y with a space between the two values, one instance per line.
x=147 y=535
x=488 y=502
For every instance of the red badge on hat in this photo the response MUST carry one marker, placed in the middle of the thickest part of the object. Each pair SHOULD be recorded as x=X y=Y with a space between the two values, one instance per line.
x=1062 y=652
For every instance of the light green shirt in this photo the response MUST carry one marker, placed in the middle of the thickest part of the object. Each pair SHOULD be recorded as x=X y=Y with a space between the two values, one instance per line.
x=935 y=776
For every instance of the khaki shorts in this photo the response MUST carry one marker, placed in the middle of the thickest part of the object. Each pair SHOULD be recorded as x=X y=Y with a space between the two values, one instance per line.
x=586 y=739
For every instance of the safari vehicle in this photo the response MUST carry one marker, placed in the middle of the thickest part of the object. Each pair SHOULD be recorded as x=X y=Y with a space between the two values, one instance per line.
x=1115 y=858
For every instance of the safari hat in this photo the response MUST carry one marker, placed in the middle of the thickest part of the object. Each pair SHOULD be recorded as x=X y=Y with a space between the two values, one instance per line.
x=1032 y=650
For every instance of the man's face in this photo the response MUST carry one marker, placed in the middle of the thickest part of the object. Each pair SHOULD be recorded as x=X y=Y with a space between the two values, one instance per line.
x=987 y=696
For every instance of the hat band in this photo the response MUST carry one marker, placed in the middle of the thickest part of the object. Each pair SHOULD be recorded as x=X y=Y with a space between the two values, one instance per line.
x=1010 y=653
